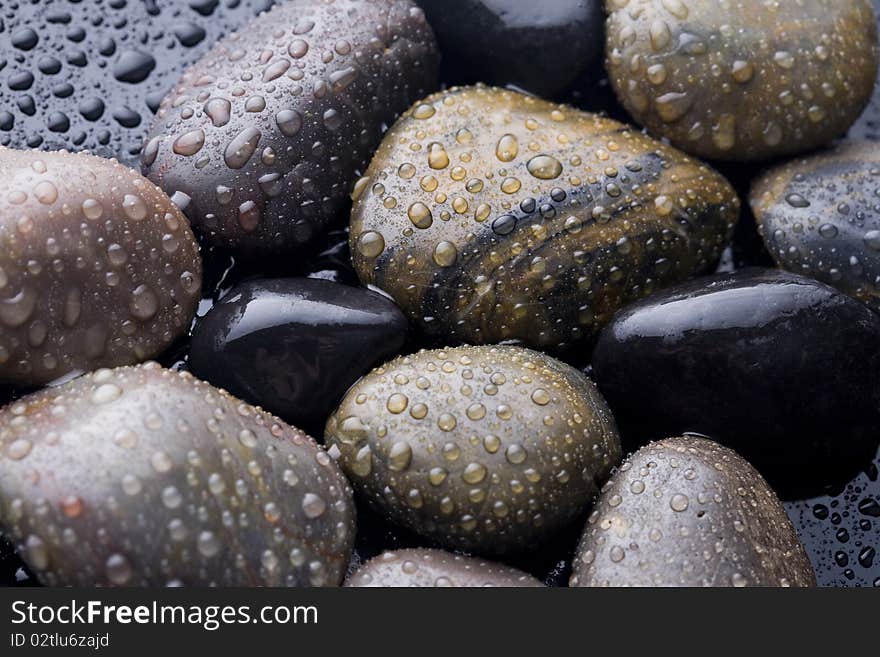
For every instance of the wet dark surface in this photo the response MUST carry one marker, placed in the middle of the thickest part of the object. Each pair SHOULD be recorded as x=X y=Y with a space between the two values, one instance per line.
x=839 y=522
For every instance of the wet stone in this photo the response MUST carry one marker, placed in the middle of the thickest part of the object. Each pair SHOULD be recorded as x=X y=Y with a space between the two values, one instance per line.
x=304 y=111
x=779 y=367
x=502 y=217
x=820 y=217
x=489 y=449
x=721 y=79
x=688 y=512
x=154 y=463
x=98 y=267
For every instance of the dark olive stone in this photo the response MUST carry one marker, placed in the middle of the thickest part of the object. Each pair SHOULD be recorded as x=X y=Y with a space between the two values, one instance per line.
x=779 y=367
x=140 y=476
x=485 y=449
x=264 y=135
x=820 y=217
x=746 y=80
x=124 y=53
x=688 y=512
x=436 y=568
x=294 y=346
x=541 y=47
x=492 y=216
x=98 y=267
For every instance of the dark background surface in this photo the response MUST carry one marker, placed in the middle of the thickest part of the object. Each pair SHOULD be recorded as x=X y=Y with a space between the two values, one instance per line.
x=58 y=58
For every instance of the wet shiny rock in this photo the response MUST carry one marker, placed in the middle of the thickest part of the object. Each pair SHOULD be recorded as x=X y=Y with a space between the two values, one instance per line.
x=264 y=134
x=539 y=46
x=142 y=476
x=436 y=568
x=97 y=266
x=489 y=215
x=779 y=367
x=489 y=449
x=90 y=74
x=820 y=217
x=295 y=345
x=688 y=512
x=743 y=79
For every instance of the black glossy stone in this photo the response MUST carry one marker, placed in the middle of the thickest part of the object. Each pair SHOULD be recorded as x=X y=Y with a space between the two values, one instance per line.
x=541 y=47
x=779 y=367
x=295 y=345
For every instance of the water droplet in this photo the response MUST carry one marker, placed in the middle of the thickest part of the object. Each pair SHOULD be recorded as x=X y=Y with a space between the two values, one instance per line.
x=424 y=111
x=474 y=473
x=241 y=148
x=397 y=403
x=679 y=502
x=144 y=303
x=437 y=156
x=399 y=456
x=19 y=448
x=371 y=244
x=134 y=207
x=507 y=148
x=207 y=543
x=189 y=143
x=445 y=254
x=797 y=201
x=420 y=215
x=219 y=111
x=106 y=393
x=313 y=505
x=544 y=167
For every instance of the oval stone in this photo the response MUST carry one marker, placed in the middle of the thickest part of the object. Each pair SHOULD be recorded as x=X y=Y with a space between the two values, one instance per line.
x=779 y=367
x=488 y=449
x=746 y=80
x=492 y=216
x=98 y=267
x=289 y=108
x=820 y=217
x=140 y=476
x=688 y=512
x=295 y=345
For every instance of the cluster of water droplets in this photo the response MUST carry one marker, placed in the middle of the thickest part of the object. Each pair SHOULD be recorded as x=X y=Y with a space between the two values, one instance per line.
x=89 y=75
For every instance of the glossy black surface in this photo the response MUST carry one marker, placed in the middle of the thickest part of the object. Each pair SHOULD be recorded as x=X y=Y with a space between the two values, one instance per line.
x=781 y=368
x=538 y=46
x=90 y=74
x=294 y=346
